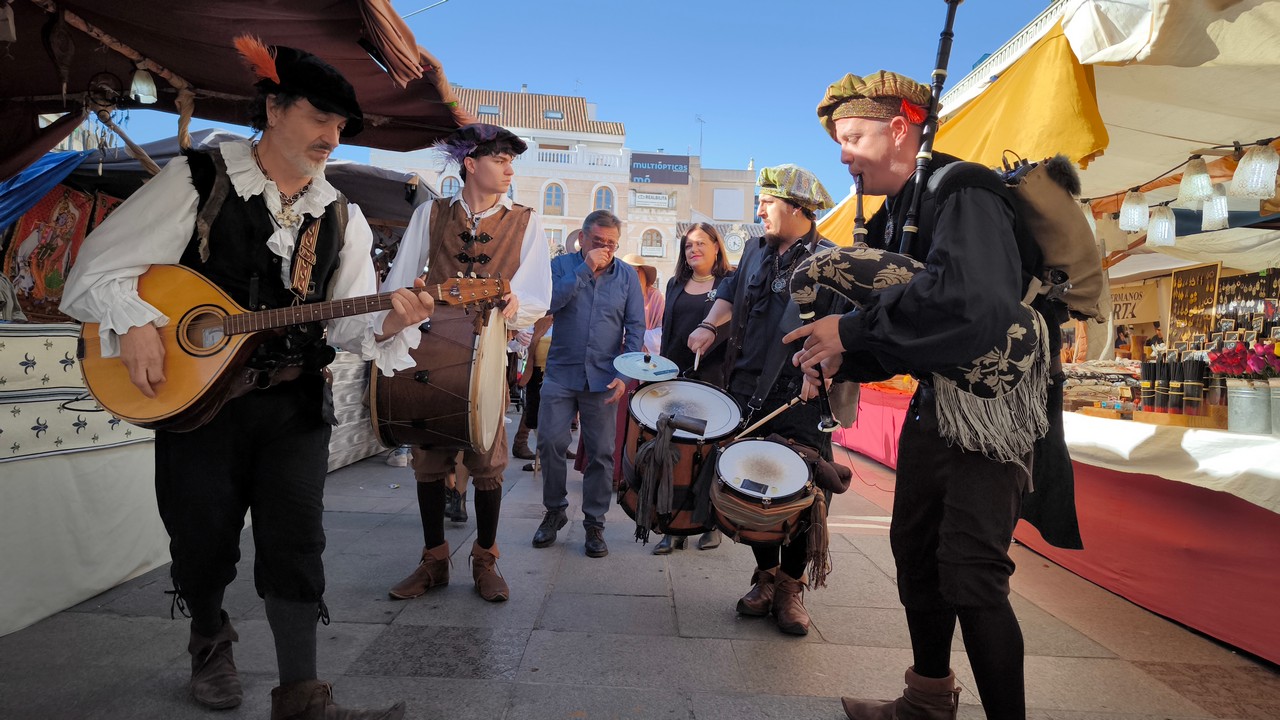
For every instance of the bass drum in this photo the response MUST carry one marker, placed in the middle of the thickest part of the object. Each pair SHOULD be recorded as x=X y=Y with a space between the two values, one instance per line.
x=455 y=396
x=686 y=397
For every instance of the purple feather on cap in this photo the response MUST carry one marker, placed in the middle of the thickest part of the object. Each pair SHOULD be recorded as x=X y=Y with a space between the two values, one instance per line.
x=463 y=142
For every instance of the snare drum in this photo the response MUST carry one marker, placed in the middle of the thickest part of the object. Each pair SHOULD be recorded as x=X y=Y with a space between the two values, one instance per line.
x=762 y=492
x=455 y=396
x=685 y=397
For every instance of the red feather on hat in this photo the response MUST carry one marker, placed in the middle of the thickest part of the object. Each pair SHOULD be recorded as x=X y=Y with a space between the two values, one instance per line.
x=259 y=58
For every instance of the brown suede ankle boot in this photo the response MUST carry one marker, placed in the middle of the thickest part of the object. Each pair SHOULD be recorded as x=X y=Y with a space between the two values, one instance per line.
x=923 y=699
x=788 y=605
x=313 y=700
x=214 y=681
x=432 y=571
x=759 y=601
x=520 y=444
x=484 y=571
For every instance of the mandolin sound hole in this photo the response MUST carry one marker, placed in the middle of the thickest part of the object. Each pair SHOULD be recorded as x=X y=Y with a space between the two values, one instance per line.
x=203 y=331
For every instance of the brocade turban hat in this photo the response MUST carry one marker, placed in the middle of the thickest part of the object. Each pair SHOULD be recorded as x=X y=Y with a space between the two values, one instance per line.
x=882 y=95
x=794 y=183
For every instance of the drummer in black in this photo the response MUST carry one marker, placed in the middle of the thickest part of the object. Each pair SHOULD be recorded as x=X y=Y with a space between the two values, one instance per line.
x=756 y=303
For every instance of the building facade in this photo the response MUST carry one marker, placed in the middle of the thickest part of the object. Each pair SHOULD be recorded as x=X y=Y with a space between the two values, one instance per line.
x=576 y=164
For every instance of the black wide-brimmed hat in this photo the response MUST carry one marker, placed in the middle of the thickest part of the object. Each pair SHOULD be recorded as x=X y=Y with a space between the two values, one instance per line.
x=291 y=71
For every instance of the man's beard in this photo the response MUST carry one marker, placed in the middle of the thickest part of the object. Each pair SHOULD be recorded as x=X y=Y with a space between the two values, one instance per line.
x=774 y=240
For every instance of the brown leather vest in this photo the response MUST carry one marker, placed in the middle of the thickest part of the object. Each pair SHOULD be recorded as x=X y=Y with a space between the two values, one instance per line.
x=450 y=254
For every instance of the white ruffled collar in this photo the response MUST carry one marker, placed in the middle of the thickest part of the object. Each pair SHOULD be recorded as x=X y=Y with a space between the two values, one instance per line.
x=248 y=181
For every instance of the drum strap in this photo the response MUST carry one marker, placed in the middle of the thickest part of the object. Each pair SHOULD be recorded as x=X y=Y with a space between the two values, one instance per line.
x=778 y=353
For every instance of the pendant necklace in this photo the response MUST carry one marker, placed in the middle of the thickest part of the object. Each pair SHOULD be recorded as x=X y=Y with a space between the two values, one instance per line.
x=779 y=284
x=287 y=217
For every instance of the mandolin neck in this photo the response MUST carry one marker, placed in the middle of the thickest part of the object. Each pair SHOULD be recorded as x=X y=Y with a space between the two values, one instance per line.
x=251 y=322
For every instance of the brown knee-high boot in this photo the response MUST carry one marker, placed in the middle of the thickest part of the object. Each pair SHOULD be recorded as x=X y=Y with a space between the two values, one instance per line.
x=923 y=699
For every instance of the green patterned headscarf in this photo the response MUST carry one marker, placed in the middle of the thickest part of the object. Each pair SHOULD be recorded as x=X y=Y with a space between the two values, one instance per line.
x=794 y=183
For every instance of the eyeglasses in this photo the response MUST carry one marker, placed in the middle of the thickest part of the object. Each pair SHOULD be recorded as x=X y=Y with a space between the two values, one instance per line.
x=605 y=246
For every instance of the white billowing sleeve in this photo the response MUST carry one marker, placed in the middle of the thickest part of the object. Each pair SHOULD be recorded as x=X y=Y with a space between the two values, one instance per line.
x=153 y=227
x=412 y=253
x=532 y=281
x=356 y=277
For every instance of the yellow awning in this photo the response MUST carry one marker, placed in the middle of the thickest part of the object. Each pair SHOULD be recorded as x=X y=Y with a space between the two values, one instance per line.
x=1043 y=105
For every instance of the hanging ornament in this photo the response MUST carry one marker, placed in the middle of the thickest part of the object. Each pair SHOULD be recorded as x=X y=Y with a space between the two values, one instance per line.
x=1196 y=185
x=1162 y=232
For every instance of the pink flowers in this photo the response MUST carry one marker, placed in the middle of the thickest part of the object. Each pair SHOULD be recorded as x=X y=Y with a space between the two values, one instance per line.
x=1239 y=361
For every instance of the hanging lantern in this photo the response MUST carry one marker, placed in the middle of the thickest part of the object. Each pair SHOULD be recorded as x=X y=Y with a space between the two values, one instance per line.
x=1215 y=216
x=1133 y=212
x=143 y=87
x=1255 y=176
x=1162 y=232
x=1196 y=185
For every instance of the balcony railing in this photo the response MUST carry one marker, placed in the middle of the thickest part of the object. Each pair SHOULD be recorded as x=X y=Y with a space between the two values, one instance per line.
x=576 y=158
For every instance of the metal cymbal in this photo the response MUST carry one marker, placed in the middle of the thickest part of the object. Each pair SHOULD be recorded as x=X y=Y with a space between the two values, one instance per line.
x=645 y=366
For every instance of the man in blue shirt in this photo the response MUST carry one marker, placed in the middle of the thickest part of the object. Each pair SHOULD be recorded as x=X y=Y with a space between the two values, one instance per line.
x=599 y=312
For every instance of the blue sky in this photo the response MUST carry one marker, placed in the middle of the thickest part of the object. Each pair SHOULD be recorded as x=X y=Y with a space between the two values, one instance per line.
x=754 y=71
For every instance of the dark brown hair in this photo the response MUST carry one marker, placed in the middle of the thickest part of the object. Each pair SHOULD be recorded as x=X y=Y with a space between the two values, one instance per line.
x=721 y=267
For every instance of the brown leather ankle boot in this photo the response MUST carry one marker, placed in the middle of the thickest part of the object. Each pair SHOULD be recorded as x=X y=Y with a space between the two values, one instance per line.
x=923 y=699
x=788 y=605
x=520 y=444
x=759 y=601
x=432 y=571
x=313 y=700
x=214 y=681
x=484 y=571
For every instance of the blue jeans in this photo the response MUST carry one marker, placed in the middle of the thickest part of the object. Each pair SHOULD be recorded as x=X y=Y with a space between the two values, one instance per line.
x=598 y=425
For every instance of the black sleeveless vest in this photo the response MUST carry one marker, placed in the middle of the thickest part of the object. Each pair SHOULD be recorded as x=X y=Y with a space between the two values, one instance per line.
x=240 y=262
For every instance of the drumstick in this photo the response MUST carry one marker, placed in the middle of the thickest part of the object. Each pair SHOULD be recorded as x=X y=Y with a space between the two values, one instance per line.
x=767 y=418
x=697 y=356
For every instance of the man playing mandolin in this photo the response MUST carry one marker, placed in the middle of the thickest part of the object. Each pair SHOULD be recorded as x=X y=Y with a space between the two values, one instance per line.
x=259 y=220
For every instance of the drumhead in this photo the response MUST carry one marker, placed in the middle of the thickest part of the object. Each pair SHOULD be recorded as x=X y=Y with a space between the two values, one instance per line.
x=762 y=469
x=687 y=397
x=489 y=393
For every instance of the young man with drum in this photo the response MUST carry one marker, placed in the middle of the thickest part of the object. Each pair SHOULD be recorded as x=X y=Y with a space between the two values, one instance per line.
x=756 y=302
x=242 y=215
x=478 y=230
x=599 y=313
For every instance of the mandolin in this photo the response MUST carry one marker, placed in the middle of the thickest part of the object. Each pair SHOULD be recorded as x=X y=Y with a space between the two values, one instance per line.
x=210 y=337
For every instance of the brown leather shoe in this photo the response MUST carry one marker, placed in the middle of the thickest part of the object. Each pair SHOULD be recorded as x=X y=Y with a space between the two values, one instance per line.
x=484 y=572
x=759 y=601
x=214 y=681
x=923 y=699
x=313 y=700
x=788 y=605
x=432 y=571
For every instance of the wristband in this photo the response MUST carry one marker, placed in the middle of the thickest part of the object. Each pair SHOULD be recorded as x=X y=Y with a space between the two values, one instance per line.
x=707 y=326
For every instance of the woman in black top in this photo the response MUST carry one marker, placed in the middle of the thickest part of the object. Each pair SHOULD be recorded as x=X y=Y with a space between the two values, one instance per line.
x=702 y=264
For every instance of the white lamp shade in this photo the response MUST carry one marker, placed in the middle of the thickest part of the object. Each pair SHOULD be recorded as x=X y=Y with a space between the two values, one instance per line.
x=1255 y=176
x=1134 y=214
x=1215 y=210
x=1196 y=185
x=1162 y=232
x=143 y=87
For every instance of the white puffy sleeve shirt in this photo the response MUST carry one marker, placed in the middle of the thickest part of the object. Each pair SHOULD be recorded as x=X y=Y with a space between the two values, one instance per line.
x=531 y=283
x=155 y=226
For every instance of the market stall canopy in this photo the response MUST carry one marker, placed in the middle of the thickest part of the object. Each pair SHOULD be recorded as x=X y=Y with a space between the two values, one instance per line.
x=1126 y=88
x=70 y=53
